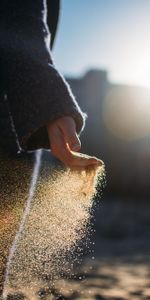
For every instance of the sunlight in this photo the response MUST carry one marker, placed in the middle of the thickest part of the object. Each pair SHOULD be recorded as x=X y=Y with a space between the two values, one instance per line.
x=126 y=112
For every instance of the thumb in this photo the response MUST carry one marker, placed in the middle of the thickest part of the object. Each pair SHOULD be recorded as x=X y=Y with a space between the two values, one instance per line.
x=70 y=136
x=73 y=142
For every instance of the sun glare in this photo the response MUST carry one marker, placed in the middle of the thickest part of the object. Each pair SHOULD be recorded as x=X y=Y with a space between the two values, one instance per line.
x=126 y=112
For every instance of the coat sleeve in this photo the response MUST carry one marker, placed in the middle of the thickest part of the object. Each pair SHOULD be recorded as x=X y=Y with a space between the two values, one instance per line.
x=36 y=91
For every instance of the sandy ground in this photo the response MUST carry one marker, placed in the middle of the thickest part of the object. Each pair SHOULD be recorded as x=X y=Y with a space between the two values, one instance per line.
x=110 y=279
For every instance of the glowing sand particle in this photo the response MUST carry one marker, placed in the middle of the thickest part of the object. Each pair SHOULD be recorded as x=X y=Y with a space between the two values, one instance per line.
x=55 y=220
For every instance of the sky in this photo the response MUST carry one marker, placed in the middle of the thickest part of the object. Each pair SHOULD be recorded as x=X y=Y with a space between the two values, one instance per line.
x=105 y=34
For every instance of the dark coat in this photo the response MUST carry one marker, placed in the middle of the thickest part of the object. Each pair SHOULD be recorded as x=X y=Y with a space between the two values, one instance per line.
x=32 y=91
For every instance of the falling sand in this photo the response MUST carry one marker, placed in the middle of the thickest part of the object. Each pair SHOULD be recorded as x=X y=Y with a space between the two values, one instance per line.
x=55 y=220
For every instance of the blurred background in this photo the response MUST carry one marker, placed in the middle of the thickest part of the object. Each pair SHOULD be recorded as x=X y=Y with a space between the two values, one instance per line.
x=103 y=48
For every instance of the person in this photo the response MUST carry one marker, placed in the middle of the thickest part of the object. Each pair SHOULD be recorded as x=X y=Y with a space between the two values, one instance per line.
x=37 y=108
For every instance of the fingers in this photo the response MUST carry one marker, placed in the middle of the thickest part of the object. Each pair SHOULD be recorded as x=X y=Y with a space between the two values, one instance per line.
x=62 y=152
x=67 y=125
x=58 y=145
x=81 y=161
x=63 y=139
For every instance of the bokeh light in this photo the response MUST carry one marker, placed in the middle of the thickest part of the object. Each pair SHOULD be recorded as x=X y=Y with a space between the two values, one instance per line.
x=127 y=114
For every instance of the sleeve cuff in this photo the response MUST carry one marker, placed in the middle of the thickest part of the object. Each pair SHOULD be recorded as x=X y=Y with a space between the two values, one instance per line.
x=55 y=100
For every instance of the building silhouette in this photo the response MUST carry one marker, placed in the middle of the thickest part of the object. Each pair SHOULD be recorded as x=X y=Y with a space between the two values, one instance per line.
x=127 y=157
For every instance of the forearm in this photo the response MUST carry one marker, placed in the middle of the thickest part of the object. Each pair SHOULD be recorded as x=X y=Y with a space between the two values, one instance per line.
x=36 y=91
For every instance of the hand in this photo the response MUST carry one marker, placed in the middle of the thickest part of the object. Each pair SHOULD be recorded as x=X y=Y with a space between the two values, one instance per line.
x=65 y=143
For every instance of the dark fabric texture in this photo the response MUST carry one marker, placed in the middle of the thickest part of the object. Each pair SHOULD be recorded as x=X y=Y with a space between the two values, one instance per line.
x=32 y=91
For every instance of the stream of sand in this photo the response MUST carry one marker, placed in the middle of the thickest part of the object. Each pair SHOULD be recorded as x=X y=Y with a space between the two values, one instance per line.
x=56 y=218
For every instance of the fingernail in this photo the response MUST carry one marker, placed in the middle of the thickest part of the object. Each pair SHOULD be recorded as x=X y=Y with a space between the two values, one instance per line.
x=95 y=162
x=98 y=162
x=76 y=147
